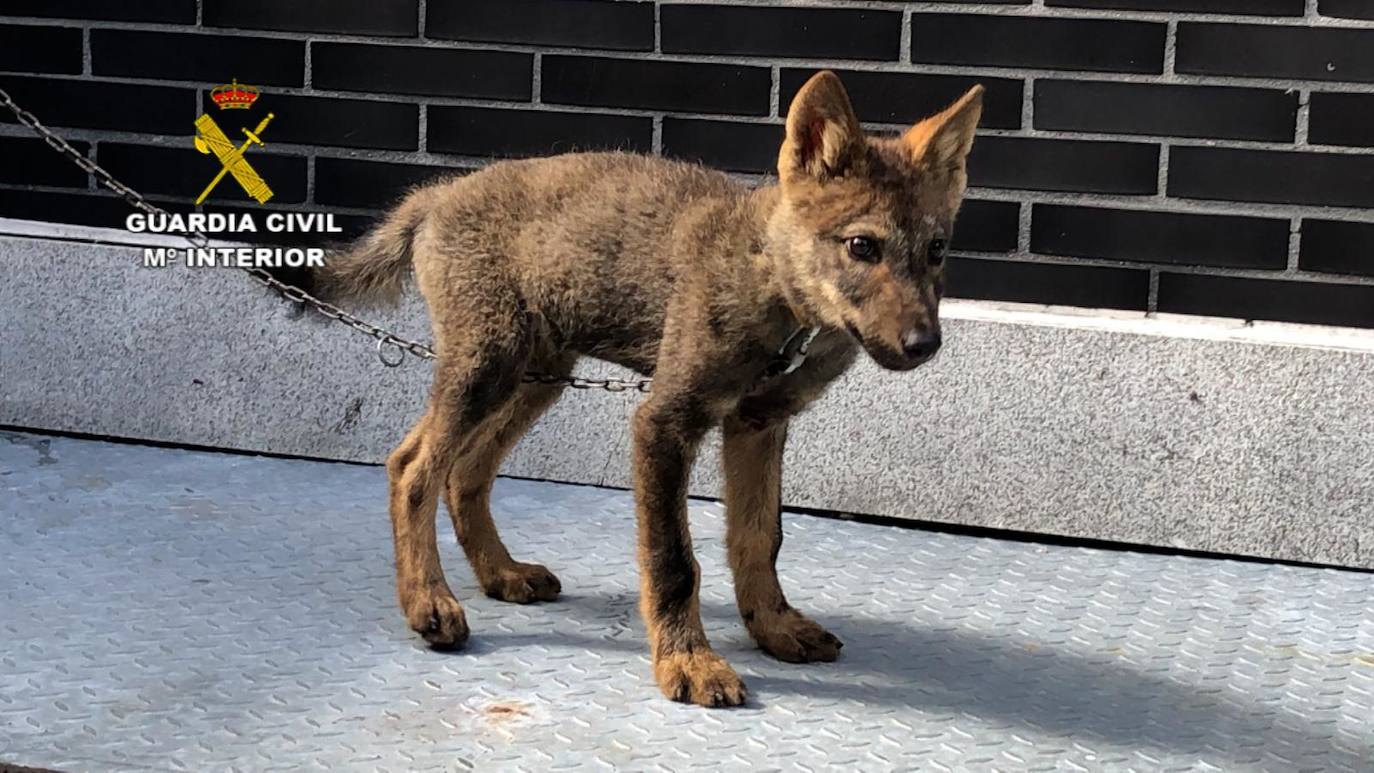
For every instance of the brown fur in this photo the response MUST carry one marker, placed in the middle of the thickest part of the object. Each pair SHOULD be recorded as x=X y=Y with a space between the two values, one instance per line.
x=676 y=271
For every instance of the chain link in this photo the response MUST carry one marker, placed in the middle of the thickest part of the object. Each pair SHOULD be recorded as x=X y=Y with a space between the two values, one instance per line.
x=391 y=348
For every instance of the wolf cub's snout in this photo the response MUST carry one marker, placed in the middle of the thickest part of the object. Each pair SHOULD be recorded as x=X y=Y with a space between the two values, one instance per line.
x=919 y=346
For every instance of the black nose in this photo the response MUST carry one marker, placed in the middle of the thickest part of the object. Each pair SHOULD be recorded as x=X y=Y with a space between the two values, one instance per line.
x=921 y=346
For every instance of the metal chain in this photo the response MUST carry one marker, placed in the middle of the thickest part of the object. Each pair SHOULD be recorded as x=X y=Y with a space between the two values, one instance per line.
x=391 y=348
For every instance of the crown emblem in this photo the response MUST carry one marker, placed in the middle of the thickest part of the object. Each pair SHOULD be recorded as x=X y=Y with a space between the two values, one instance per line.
x=234 y=96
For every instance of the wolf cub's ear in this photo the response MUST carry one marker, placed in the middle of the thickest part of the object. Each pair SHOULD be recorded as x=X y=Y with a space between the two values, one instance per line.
x=944 y=140
x=823 y=135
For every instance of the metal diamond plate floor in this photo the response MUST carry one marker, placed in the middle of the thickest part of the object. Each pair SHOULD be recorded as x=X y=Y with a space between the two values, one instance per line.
x=174 y=610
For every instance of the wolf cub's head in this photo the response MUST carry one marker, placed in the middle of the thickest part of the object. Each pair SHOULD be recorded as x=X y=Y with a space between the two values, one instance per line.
x=864 y=223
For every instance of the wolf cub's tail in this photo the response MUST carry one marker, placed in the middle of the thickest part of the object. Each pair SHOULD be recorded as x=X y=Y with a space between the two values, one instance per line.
x=370 y=272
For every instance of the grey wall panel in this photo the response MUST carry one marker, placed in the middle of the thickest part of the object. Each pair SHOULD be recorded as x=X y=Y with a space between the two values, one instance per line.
x=1024 y=422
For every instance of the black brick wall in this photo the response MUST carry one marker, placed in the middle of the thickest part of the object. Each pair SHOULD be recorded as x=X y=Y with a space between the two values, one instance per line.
x=1193 y=156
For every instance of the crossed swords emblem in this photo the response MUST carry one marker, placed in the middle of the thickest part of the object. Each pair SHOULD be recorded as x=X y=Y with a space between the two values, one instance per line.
x=211 y=139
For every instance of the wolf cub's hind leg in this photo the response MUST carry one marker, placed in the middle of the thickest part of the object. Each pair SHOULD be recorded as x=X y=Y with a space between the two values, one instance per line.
x=753 y=492
x=428 y=604
x=468 y=497
x=475 y=376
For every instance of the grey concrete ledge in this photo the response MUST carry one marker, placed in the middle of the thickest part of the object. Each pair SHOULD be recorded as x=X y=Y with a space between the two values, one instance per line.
x=1202 y=434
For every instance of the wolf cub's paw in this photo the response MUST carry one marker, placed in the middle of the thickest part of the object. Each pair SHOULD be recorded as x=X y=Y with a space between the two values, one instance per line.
x=522 y=584
x=701 y=677
x=795 y=638
x=435 y=614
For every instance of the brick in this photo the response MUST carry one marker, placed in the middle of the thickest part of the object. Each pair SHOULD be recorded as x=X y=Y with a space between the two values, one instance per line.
x=362 y=17
x=1160 y=237
x=987 y=226
x=472 y=131
x=1248 y=7
x=26 y=48
x=163 y=11
x=99 y=210
x=885 y=97
x=208 y=58
x=738 y=147
x=1277 y=177
x=813 y=33
x=1346 y=9
x=422 y=71
x=348 y=123
x=1064 y=165
x=624 y=26
x=1226 y=296
x=348 y=182
x=183 y=172
x=29 y=161
x=1178 y=111
x=651 y=85
x=90 y=104
x=1094 y=287
x=1337 y=247
x=1308 y=53
x=1039 y=42
x=1341 y=119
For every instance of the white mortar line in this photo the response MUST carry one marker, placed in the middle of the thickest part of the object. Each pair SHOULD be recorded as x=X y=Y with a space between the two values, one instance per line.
x=424 y=131
x=1162 y=181
x=1294 y=245
x=86 y=51
x=1186 y=267
x=1304 y=118
x=904 y=38
x=1170 y=49
x=94 y=155
x=658 y=28
x=309 y=77
x=310 y=180
x=1180 y=205
x=1024 y=218
x=537 y=85
x=1035 y=9
x=775 y=94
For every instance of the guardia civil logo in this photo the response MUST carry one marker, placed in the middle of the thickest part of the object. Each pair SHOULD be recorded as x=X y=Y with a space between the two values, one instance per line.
x=210 y=138
x=235 y=103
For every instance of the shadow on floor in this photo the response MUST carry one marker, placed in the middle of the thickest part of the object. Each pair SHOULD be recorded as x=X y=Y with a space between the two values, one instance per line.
x=999 y=682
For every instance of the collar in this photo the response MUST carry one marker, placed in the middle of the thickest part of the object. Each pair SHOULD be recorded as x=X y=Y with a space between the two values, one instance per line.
x=793 y=352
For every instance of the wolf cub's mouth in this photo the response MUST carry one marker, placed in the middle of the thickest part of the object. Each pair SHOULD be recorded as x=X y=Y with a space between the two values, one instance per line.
x=886 y=357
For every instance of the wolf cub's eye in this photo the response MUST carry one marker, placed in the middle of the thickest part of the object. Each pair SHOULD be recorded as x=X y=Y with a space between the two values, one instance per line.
x=863 y=248
x=935 y=253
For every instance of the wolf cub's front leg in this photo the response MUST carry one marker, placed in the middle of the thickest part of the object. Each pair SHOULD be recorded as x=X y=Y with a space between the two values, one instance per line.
x=667 y=430
x=752 y=459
